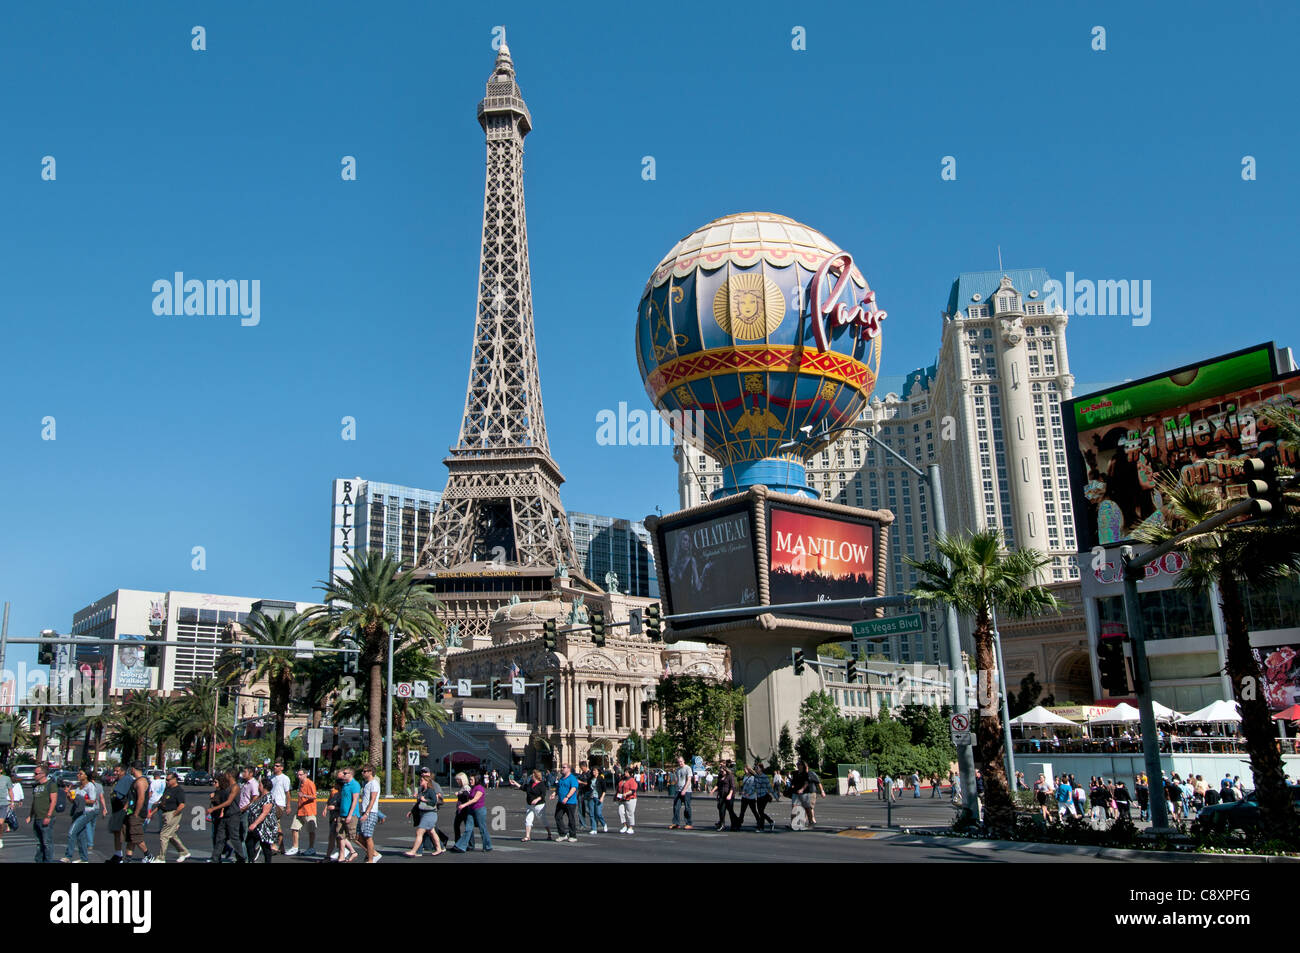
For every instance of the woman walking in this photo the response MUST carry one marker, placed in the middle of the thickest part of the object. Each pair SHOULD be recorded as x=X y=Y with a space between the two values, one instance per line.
x=626 y=796
x=726 y=793
x=87 y=806
x=264 y=827
x=225 y=816
x=747 y=802
x=597 y=794
x=424 y=813
x=534 y=788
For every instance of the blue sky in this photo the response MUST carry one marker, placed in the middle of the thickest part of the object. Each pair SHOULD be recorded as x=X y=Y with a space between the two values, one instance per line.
x=175 y=432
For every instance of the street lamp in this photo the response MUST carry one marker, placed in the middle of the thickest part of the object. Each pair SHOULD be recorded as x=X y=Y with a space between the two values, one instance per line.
x=960 y=703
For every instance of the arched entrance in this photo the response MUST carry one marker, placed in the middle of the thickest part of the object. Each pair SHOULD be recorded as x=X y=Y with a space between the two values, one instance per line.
x=598 y=756
x=1071 y=680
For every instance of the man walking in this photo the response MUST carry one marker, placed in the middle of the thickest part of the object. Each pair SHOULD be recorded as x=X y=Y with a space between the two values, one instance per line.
x=117 y=802
x=370 y=814
x=566 y=812
x=280 y=798
x=684 y=780
x=172 y=805
x=762 y=797
x=305 y=816
x=156 y=787
x=45 y=795
x=137 y=814
x=349 y=811
x=584 y=792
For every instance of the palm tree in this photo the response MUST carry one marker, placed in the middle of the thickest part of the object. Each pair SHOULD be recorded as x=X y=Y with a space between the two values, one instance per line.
x=280 y=669
x=371 y=600
x=21 y=728
x=1238 y=558
x=94 y=725
x=133 y=720
x=66 y=734
x=984 y=577
x=199 y=721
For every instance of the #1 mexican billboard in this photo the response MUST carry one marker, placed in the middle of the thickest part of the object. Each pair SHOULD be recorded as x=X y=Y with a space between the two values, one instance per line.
x=815 y=557
x=1192 y=423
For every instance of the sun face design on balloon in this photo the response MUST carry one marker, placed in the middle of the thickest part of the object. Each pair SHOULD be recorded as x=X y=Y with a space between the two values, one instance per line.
x=749 y=306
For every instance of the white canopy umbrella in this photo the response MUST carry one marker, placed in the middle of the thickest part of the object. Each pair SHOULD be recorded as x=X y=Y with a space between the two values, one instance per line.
x=1220 y=712
x=1040 y=716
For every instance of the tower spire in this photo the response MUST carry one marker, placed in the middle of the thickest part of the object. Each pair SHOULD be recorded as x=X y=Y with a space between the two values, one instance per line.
x=502 y=501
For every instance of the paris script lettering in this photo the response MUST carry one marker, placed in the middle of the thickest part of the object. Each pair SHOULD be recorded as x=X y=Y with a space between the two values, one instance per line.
x=827 y=307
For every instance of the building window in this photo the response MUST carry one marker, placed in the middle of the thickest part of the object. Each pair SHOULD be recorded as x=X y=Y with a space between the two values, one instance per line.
x=591 y=712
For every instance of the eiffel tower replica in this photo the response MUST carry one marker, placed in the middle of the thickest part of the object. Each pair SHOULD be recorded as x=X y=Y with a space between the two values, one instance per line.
x=501 y=530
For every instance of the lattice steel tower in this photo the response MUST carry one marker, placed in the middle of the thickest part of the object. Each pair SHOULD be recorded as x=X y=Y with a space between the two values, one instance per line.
x=502 y=503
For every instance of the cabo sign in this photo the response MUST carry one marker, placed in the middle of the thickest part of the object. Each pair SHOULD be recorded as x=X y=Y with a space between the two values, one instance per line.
x=829 y=309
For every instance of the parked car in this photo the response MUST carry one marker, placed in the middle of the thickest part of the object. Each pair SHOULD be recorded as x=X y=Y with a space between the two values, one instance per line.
x=24 y=773
x=197 y=778
x=1240 y=815
x=180 y=770
x=64 y=777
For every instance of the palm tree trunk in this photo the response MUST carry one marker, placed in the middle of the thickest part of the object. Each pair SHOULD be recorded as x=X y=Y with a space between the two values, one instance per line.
x=1276 y=818
x=376 y=710
x=999 y=808
x=281 y=712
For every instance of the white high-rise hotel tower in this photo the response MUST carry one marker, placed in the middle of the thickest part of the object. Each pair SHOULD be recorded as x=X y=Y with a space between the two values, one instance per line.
x=988 y=411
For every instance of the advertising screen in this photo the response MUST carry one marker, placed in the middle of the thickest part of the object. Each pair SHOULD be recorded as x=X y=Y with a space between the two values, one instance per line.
x=131 y=672
x=1281 y=667
x=814 y=557
x=711 y=563
x=1191 y=424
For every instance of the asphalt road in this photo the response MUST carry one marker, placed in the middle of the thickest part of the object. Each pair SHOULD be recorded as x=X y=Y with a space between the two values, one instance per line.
x=848 y=830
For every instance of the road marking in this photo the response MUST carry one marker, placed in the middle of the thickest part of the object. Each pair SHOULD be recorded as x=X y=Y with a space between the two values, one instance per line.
x=863 y=835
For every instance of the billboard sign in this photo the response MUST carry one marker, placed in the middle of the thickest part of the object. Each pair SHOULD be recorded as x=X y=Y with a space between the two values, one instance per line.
x=1281 y=667
x=1192 y=424
x=711 y=562
x=131 y=672
x=814 y=556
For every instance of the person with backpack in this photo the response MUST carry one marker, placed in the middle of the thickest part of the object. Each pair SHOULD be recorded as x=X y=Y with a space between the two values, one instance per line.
x=121 y=787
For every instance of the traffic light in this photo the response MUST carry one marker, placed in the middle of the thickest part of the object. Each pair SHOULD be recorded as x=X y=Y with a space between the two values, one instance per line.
x=223 y=696
x=549 y=634
x=598 y=627
x=496 y=688
x=798 y=661
x=151 y=653
x=45 y=655
x=654 y=622
x=1111 y=665
x=634 y=626
x=550 y=689
x=247 y=662
x=1262 y=485
x=851 y=671
x=350 y=664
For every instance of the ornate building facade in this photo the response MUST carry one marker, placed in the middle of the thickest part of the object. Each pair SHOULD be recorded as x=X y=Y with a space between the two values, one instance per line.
x=601 y=693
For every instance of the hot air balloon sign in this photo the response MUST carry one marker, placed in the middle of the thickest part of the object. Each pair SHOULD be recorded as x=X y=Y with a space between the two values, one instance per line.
x=769 y=332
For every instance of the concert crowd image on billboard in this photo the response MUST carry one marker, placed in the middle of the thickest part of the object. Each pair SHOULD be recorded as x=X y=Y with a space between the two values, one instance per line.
x=711 y=563
x=1195 y=424
x=815 y=557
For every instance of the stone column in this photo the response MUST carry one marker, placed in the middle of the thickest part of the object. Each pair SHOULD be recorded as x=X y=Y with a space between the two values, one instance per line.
x=1020 y=434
